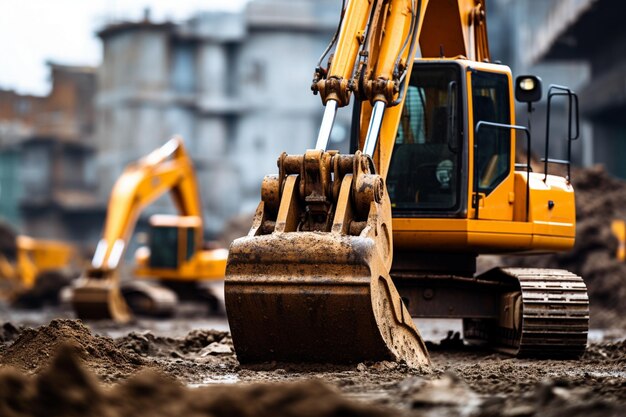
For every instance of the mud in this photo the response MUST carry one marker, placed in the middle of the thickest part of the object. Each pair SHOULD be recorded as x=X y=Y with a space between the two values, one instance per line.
x=172 y=368
x=198 y=375
x=67 y=389
x=33 y=350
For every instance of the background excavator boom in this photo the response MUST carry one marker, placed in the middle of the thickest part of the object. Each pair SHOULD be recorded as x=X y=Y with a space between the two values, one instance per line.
x=168 y=169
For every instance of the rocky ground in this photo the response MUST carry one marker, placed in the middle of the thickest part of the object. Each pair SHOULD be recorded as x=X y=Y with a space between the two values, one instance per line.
x=64 y=369
x=52 y=365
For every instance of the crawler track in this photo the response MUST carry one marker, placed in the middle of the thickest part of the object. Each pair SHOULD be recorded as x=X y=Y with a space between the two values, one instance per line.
x=555 y=312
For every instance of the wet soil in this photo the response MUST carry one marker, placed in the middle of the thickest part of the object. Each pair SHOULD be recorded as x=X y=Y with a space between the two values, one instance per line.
x=187 y=366
x=33 y=350
x=64 y=369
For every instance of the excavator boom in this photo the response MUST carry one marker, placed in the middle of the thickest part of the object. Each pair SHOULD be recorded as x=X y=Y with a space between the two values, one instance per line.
x=167 y=169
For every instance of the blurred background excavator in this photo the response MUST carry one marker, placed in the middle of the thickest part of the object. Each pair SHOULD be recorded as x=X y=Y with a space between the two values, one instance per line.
x=177 y=257
x=345 y=250
x=34 y=271
x=618 y=228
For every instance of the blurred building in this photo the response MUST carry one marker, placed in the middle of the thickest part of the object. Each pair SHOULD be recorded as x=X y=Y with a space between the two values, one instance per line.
x=46 y=179
x=234 y=85
x=580 y=44
x=516 y=35
x=592 y=30
x=17 y=118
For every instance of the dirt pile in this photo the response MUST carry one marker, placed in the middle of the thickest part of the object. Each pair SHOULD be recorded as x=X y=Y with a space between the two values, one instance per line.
x=34 y=348
x=550 y=399
x=599 y=374
x=153 y=370
x=600 y=198
x=604 y=353
x=66 y=389
x=8 y=333
x=451 y=396
x=190 y=359
x=197 y=342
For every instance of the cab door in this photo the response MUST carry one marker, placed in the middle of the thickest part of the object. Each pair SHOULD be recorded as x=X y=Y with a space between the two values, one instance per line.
x=491 y=155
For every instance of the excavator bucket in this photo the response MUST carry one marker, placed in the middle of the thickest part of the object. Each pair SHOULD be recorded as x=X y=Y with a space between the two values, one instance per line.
x=105 y=299
x=100 y=299
x=309 y=297
x=318 y=296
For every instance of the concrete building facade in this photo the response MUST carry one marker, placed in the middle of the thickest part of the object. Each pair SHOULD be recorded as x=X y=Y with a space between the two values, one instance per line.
x=47 y=178
x=235 y=86
x=516 y=30
x=592 y=31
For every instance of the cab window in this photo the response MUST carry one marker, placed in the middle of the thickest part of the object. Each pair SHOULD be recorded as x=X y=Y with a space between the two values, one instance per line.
x=163 y=247
x=191 y=242
x=490 y=98
x=424 y=174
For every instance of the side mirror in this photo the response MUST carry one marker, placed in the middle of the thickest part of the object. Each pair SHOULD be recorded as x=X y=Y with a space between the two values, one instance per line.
x=528 y=89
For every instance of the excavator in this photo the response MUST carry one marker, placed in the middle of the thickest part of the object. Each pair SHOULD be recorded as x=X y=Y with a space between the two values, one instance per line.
x=176 y=254
x=345 y=250
x=33 y=271
x=618 y=229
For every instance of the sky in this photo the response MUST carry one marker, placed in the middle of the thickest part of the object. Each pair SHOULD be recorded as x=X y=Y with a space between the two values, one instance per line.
x=33 y=32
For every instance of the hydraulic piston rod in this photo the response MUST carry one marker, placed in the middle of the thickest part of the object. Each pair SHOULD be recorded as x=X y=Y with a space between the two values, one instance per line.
x=374 y=128
x=326 y=128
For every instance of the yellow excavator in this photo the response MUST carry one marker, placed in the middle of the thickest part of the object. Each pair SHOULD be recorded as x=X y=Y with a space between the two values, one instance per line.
x=346 y=249
x=33 y=271
x=176 y=255
x=618 y=228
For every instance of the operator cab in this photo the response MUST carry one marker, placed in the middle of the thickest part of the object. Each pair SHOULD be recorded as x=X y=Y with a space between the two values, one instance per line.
x=172 y=240
x=428 y=174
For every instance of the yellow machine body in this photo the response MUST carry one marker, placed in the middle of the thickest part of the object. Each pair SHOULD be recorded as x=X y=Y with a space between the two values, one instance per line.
x=503 y=225
x=34 y=257
x=191 y=264
x=345 y=249
x=168 y=169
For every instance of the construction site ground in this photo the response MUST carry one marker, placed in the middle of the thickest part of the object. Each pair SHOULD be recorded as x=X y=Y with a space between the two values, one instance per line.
x=53 y=365
x=186 y=366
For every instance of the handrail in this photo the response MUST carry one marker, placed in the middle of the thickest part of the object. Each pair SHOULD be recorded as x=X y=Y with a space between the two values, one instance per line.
x=562 y=91
x=502 y=126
